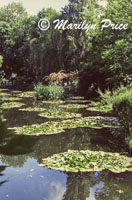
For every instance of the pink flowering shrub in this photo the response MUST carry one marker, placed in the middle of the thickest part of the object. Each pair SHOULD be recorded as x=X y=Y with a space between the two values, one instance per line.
x=62 y=78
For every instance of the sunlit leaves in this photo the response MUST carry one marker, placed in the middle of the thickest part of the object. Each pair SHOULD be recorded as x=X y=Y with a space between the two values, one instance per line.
x=88 y=161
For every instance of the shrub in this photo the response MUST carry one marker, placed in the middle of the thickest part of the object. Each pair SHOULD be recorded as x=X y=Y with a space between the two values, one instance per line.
x=51 y=92
x=105 y=103
x=122 y=105
x=120 y=102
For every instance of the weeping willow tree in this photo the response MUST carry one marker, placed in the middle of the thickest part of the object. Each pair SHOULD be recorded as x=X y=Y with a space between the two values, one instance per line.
x=53 y=50
x=45 y=48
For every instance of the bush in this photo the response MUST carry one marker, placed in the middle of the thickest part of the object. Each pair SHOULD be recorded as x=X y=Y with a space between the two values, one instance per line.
x=122 y=105
x=51 y=92
x=120 y=102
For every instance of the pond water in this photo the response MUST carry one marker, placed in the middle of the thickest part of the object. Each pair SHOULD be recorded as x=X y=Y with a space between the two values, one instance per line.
x=22 y=179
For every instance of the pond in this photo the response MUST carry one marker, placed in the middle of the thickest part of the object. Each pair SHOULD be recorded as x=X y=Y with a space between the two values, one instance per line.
x=21 y=177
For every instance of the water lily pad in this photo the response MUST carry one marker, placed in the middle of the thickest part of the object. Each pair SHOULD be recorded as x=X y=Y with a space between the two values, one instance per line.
x=99 y=108
x=27 y=94
x=52 y=127
x=11 y=105
x=77 y=97
x=59 y=114
x=11 y=99
x=4 y=94
x=34 y=109
x=77 y=101
x=16 y=91
x=52 y=102
x=88 y=161
x=71 y=106
x=3 y=89
x=46 y=128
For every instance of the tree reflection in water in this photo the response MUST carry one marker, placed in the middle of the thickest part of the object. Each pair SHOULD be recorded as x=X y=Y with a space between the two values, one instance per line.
x=103 y=185
x=2 y=168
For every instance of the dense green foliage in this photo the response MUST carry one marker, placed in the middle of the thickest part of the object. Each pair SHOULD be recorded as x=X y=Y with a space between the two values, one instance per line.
x=51 y=92
x=103 y=58
x=119 y=102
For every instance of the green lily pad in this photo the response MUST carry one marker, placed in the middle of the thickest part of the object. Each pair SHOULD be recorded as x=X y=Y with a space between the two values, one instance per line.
x=52 y=127
x=27 y=94
x=11 y=99
x=77 y=97
x=3 y=89
x=77 y=101
x=53 y=102
x=34 y=109
x=11 y=105
x=16 y=91
x=71 y=106
x=59 y=114
x=46 y=128
x=4 y=94
x=88 y=161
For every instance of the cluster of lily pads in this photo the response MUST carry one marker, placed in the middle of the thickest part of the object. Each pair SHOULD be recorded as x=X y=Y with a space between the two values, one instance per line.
x=76 y=101
x=77 y=98
x=71 y=106
x=27 y=94
x=47 y=128
x=97 y=106
x=16 y=91
x=55 y=127
x=88 y=161
x=53 y=102
x=59 y=114
x=33 y=109
x=11 y=99
x=2 y=94
x=10 y=105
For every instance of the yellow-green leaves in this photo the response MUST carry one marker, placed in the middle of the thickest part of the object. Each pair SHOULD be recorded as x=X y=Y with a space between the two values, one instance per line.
x=88 y=161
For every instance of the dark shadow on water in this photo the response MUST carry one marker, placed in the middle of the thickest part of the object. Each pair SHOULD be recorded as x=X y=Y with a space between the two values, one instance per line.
x=2 y=168
x=12 y=144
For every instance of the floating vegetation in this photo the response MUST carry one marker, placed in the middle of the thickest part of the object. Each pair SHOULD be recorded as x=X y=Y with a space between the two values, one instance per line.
x=70 y=106
x=59 y=114
x=99 y=107
x=52 y=127
x=11 y=99
x=27 y=94
x=16 y=91
x=76 y=101
x=53 y=102
x=88 y=161
x=111 y=122
x=46 y=128
x=3 y=89
x=11 y=105
x=103 y=109
x=77 y=97
x=4 y=94
x=34 y=109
